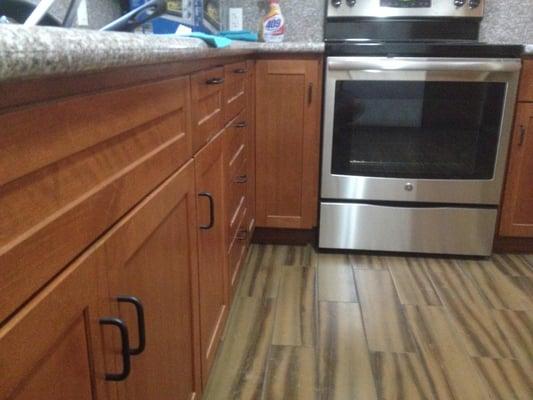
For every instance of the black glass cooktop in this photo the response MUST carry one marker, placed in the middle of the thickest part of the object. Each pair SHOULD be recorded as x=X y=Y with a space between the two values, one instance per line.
x=457 y=48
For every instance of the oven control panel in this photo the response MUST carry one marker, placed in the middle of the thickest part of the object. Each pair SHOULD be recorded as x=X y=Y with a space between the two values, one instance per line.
x=405 y=8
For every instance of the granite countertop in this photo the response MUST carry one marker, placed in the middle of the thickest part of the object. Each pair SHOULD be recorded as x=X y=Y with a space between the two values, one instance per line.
x=42 y=51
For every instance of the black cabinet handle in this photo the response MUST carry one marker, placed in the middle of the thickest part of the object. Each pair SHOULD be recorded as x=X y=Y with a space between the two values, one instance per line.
x=240 y=71
x=310 y=94
x=522 y=135
x=126 y=364
x=215 y=81
x=241 y=179
x=140 y=322
x=241 y=124
x=211 y=210
x=242 y=235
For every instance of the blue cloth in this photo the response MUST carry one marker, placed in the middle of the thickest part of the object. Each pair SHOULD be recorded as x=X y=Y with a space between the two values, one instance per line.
x=212 y=40
x=247 y=36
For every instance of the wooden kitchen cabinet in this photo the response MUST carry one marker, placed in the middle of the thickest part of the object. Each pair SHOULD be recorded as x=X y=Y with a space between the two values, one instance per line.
x=287 y=142
x=207 y=105
x=213 y=276
x=52 y=348
x=250 y=146
x=151 y=255
x=517 y=209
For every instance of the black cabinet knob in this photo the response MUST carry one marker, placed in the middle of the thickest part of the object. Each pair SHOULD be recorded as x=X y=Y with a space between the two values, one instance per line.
x=336 y=3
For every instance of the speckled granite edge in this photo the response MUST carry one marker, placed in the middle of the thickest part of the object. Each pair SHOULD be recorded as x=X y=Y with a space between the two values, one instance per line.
x=39 y=51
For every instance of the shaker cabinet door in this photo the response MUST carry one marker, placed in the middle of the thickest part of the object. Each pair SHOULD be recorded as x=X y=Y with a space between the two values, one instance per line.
x=52 y=347
x=517 y=208
x=151 y=261
x=212 y=272
x=287 y=142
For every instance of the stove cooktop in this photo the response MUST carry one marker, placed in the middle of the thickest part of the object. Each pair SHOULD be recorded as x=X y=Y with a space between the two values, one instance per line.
x=421 y=48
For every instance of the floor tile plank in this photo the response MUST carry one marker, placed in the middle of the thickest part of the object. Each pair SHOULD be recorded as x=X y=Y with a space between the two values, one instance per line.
x=506 y=379
x=295 y=321
x=302 y=256
x=441 y=348
x=514 y=264
x=517 y=327
x=335 y=278
x=291 y=374
x=240 y=368
x=344 y=365
x=261 y=275
x=501 y=291
x=366 y=261
x=412 y=282
x=382 y=314
x=401 y=376
x=468 y=310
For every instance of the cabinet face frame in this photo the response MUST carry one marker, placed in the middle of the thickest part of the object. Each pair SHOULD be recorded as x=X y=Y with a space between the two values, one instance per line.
x=276 y=131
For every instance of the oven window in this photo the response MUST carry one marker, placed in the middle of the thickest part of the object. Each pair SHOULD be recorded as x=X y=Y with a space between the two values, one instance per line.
x=423 y=129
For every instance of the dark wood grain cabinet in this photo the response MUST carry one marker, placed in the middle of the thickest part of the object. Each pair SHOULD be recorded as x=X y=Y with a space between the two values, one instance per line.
x=517 y=208
x=287 y=138
x=139 y=221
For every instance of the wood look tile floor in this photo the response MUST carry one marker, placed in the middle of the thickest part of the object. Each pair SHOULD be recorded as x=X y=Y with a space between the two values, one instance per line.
x=340 y=327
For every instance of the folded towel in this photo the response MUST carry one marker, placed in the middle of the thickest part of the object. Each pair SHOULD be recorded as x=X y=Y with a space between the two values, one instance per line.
x=211 y=40
x=247 y=36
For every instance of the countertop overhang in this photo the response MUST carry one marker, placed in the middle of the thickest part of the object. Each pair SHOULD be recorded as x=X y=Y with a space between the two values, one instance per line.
x=31 y=52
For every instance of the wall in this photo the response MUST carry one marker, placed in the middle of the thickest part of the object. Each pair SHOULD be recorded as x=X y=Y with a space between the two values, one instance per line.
x=100 y=12
x=506 y=21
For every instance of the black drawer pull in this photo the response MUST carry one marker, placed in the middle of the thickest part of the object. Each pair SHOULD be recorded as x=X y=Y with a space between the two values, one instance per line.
x=140 y=322
x=241 y=124
x=241 y=179
x=126 y=364
x=242 y=235
x=215 y=81
x=240 y=71
x=211 y=210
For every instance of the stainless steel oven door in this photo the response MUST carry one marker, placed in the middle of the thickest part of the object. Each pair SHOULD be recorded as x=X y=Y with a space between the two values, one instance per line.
x=430 y=130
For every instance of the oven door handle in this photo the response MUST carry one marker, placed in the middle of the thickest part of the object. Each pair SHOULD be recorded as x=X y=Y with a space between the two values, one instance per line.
x=422 y=64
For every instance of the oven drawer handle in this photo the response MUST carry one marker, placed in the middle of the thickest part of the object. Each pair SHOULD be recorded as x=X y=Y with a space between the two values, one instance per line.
x=413 y=64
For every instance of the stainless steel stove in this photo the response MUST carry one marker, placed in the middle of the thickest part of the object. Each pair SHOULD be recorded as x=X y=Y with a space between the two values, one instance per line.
x=417 y=120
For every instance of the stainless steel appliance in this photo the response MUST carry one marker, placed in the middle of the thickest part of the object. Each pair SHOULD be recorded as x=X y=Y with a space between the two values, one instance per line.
x=416 y=129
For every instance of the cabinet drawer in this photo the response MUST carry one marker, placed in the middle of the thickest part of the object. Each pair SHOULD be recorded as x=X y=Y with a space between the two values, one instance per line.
x=237 y=181
x=236 y=134
x=235 y=89
x=71 y=168
x=207 y=92
x=238 y=247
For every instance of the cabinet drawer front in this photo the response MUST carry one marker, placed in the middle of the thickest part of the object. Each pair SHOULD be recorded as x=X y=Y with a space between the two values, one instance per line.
x=238 y=245
x=236 y=134
x=207 y=88
x=237 y=183
x=235 y=90
x=89 y=170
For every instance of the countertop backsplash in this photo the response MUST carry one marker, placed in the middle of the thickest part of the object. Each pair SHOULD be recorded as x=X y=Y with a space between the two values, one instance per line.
x=505 y=21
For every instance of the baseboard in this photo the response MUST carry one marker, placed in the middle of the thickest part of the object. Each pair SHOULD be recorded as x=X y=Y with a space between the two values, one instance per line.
x=513 y=245
x=285 y=236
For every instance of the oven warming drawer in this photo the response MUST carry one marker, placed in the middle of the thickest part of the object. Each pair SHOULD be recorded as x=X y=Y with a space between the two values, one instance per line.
x=439 y=230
